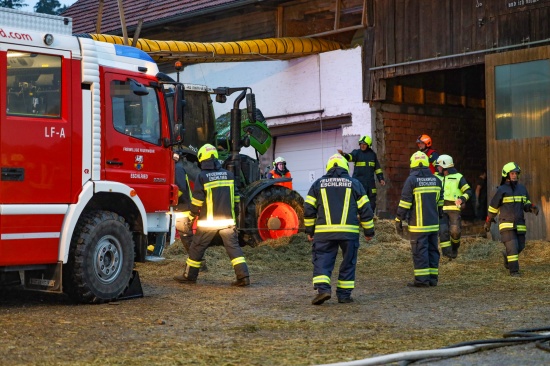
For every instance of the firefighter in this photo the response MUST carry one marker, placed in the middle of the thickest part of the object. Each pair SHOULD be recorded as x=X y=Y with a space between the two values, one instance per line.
x=335 y=210
x=216 y=202
x=280 y=171
x=424 y=143
x=421 y=202
x=510 y=202
x=366 y=166
x=457 y=193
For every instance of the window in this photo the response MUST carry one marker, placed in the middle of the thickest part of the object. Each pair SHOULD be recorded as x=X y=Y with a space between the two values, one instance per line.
x=522 y=100
x=33 y=84
x=135 y=115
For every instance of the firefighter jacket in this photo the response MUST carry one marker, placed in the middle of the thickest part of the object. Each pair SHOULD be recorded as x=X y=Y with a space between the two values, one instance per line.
x=366 y=166
x=421 y=201
x=455 y=186
x=184 y=190
x=334 y=205
x=215 y=196
x=432 y=158
x=510 y=202
x=276 y=173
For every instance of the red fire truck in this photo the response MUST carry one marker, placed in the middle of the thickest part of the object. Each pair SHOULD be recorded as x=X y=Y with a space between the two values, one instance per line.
x=86 y=130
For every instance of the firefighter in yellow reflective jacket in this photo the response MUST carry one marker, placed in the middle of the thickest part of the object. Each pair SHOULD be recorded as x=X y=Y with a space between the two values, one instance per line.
x=457 y=192
x=510 y=202
x=421 y=202
x=336 y=208
x=216 y=201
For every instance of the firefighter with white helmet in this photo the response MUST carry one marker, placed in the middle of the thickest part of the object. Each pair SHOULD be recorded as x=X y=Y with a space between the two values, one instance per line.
x=424 y=143
x=216 y=202
x=366 y=167
x=510 y=202
x=280 y=171
x=421 y=202
x=457 y=193
x=335 y=211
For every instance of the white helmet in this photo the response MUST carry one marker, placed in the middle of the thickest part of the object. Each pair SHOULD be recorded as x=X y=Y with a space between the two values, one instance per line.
x=445 y=161
x=280 y=159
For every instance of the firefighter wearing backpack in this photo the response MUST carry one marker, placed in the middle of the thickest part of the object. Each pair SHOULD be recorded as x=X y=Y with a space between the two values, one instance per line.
x=421 y=202
x=424 y=143
x=366 y=167
x=335 y=210
x=216 y=203
x=509 y=203
x=457 y=192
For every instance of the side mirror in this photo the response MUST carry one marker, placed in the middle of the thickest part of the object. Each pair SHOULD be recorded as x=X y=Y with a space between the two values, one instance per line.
x=251 y=107
x=138 y=88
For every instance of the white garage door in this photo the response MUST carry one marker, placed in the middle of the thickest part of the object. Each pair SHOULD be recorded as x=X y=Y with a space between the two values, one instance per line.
x=306 y=155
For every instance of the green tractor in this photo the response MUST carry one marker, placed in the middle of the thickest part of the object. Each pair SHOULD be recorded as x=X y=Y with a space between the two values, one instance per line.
x=268 y=210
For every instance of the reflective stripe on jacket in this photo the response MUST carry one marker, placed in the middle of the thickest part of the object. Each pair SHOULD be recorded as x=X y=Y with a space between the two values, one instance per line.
x=455 y=186
x=421 y=199
x=510 y=203
x=332 y=207
x=366 y=166
x=215 y=196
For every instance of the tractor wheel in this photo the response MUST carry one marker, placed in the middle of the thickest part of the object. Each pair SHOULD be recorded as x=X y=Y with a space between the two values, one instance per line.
x=275 y=212
x=101 y=258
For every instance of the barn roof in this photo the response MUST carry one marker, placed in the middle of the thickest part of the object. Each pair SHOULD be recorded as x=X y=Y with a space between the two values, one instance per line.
x=84 y=12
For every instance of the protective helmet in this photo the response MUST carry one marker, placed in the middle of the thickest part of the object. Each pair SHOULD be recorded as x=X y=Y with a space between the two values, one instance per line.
x=510 y=167
x=207 y=151
x=419 y=159
x=365 y=140
x=337 y=160
x=280 y=159
x=425 y=139
x=445 y=161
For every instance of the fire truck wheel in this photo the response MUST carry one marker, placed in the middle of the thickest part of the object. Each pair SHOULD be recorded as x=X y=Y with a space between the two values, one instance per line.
x=274 y=213
x=101 y=258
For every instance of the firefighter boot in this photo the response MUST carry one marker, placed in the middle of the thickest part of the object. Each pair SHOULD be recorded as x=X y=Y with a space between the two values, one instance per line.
x=241 y=272
x=454 y=250
x=189 y=275
x=320 y=298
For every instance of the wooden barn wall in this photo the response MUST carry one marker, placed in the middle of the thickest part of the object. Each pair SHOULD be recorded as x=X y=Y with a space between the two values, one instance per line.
x=456 y=131
x=532 y=154
x=411 y=30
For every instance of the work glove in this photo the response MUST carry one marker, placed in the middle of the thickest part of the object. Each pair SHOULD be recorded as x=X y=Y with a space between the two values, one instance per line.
x=535 y=210
x=399 y=226
x=487 y=225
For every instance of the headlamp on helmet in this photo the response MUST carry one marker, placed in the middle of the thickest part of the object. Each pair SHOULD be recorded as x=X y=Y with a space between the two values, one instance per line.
x=337 y=160
x=419 y=159
x=206 y=152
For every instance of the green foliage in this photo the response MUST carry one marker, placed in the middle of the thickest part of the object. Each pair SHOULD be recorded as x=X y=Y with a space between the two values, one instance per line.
x=12 y=4
x=52 y=7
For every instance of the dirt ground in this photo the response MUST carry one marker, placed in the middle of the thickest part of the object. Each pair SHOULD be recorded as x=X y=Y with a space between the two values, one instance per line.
x=272 y=322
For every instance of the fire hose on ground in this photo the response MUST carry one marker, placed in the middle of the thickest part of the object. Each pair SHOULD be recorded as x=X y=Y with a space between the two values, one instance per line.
x=510 y=338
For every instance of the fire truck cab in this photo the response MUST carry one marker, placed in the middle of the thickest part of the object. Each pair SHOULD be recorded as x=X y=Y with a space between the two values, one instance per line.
x=86 y=130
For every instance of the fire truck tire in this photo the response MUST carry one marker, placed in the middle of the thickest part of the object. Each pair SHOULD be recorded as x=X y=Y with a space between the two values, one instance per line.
x=275 y=212
x=101 y=258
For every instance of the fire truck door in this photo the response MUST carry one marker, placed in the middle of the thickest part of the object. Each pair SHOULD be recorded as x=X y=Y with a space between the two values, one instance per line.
x=36 y=127
x=134 y=153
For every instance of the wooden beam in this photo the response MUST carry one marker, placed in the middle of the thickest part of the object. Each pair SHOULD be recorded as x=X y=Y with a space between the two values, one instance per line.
x=99 y=17
x=123 y=22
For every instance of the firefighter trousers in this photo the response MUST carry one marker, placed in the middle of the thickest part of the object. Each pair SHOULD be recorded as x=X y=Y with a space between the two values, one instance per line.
x=450 y=231
x=425 y=255
x=514 y=243
x=324 y=254
x=203 y=238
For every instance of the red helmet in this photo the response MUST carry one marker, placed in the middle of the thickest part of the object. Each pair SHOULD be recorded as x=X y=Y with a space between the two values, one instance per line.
x=424 y=139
